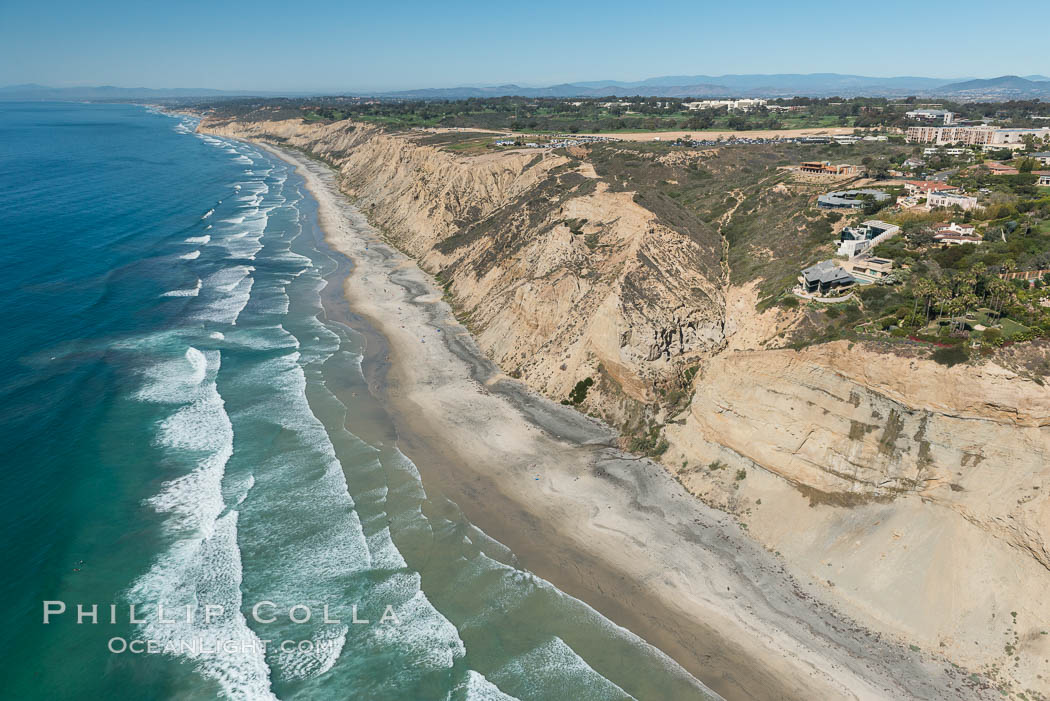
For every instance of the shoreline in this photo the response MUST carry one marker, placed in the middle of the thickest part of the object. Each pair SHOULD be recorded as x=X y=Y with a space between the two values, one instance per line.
x=613 y=530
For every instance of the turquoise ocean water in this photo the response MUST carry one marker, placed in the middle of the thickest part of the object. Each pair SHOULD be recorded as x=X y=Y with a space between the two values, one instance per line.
x=182 y=426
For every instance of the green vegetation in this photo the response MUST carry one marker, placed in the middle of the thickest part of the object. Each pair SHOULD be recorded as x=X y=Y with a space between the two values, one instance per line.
x=609 y=114
x=959 y=293
x=579 y=392
x=649 y=442
x=953 y=355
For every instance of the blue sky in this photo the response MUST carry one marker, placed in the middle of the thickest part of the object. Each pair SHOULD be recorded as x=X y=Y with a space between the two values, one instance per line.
x=329 y=45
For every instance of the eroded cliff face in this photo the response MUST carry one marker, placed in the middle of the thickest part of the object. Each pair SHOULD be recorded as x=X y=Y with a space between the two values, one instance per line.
x=559 y=278
x=847 y=421
x=920 y=493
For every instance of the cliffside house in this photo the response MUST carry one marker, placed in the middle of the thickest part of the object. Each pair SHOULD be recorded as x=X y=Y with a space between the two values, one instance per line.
x=1043 y=180
x=826 y=168
x=825 y=277
x=925 y=187
x=869 y=269
x=857 y=240
x=952 y=234
x=1000 y=168
x=951 y=199
x=849 y=199
x=1043 y=157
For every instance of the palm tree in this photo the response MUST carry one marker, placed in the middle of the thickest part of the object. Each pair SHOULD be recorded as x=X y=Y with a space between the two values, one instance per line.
x=943 y=296
x=925 y=289
x=969 y=301
x=1001 y=292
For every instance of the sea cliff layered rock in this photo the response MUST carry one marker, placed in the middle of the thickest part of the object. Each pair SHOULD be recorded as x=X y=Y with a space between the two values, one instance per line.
x=559 y=276
x=844 y=420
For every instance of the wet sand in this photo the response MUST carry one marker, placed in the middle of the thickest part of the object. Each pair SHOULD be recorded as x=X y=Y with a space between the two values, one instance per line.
x=611 y=529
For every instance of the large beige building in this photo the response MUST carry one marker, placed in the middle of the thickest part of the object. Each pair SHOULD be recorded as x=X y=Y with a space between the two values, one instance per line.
x=983 y=135
x=950 y=199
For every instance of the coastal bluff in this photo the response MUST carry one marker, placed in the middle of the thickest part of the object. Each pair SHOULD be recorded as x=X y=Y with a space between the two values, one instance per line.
x=555 y=274
x=918 y=495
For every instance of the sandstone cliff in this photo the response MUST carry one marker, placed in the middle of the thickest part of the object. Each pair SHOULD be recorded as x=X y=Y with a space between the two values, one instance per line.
x=557 y=275
x=918 y=493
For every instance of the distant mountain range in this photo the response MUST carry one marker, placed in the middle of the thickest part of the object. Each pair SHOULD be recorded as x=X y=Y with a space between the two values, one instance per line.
x=1006 y=87
x=764 y=85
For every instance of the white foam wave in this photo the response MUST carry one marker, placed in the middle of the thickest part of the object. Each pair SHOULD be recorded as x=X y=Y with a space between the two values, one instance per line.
x=317 y=554
x=328 y=643
x=176 y=380
x=191 y=292
x=208 y=213
x=203 y=565
x=192 y=255
x=385 y=554
x=477 y=688
x=197 y=572
x=234 y=287
x=431 y=638
x=198 y=239
x=554 y=670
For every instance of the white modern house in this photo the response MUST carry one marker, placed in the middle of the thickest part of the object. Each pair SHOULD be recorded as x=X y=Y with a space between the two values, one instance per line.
x=857 y=240
x=950 y=199
x=953 y=234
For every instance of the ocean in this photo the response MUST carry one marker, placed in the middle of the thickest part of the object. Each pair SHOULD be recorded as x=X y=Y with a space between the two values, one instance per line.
x=199 y=494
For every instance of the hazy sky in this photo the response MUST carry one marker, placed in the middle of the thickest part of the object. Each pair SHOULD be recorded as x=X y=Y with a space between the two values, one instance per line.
x=330 y=45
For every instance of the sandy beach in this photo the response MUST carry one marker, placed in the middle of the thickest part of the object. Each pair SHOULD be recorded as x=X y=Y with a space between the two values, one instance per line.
x=611 y=529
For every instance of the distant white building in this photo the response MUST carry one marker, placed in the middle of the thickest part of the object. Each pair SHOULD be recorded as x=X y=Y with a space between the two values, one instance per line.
x=742 y=105
x=942 y=116
x=937 y=150
x=983 y=135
